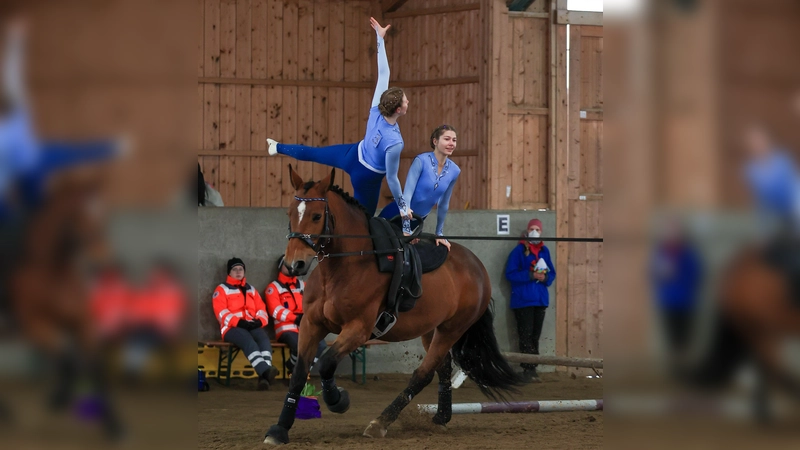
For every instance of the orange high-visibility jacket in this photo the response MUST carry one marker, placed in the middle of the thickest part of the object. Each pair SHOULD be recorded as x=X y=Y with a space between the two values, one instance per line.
x=235 y=300
x=284 y=302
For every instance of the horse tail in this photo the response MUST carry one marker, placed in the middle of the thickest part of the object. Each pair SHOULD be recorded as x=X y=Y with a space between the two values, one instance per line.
x=479 y=356
x=726 y=352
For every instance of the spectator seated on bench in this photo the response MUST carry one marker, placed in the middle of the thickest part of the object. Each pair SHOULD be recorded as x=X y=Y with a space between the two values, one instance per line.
x=242 y=317
x=285 y=305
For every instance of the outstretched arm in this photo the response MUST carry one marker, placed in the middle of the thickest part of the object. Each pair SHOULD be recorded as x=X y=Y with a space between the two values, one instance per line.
x=383 y=62
x=392 y=166
x=13 y=64
x=444 y=205
x=411 y=185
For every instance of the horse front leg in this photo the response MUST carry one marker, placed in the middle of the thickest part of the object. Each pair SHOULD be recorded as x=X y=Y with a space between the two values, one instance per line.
x=336 y=398
x=308 y=339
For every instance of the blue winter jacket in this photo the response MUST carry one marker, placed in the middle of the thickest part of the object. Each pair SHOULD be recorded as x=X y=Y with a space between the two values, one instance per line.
x=524 y=291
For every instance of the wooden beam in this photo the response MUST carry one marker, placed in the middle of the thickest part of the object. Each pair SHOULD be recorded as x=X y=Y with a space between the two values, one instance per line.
x=251 y=153
x=547 y=360
x=579 y=18
x=429 y=11
x=529 y=14
x=388 y=6
x=527 y=110
x=341 y=84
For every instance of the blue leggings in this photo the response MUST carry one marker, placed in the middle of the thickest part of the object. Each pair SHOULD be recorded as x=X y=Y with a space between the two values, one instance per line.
x=59 y=156
x=366 y=183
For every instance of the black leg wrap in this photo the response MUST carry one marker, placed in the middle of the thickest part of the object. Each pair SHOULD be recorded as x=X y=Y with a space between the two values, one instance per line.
x=278 y=433
x=286 y=420
x=445 y=411
x=336 y=399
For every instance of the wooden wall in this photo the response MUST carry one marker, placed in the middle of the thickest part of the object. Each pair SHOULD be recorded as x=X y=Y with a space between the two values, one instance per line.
x=520 y=86
x=304 y=71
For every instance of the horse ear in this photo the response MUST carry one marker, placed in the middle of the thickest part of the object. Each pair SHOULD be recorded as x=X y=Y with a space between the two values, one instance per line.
x=327 y=182
x=295 y=178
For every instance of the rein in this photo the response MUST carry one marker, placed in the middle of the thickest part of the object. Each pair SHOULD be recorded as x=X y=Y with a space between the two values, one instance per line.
x=319 y=246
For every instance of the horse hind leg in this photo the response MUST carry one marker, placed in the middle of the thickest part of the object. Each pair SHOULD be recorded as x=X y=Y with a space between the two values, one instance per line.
x=309 y=337
x=422 y=376
x=445 y=410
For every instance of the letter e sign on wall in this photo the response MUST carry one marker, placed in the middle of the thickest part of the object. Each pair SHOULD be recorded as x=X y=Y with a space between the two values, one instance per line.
x=503 y=223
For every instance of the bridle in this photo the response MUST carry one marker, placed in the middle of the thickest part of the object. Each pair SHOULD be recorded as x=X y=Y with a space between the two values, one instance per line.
x=318 y=246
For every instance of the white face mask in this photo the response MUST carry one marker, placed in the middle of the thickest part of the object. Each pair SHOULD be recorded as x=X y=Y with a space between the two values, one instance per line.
x=533 y=234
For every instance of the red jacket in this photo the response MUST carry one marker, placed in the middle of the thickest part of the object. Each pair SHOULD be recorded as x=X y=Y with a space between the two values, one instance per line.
x=232 y=305
x=284 y=302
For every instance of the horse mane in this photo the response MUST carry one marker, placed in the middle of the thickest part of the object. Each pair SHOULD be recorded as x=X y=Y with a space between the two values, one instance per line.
x=348 y=198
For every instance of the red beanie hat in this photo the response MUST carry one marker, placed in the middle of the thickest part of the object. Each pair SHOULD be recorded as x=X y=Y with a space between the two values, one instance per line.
x=535 y=222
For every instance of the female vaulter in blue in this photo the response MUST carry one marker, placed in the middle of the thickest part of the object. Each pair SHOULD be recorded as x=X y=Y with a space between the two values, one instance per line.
x=430 y=182
x=26 y=164
x=378 y=155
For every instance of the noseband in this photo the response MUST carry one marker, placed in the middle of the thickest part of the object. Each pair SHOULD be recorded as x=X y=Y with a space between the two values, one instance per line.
x=326 y=230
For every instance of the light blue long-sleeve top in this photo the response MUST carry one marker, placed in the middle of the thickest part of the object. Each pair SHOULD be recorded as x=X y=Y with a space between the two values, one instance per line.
x=380 y=150
x=426 y=187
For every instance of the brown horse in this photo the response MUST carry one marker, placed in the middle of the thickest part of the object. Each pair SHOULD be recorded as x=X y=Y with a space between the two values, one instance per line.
x=754 y=317
x=49 y=289
x=346 y=295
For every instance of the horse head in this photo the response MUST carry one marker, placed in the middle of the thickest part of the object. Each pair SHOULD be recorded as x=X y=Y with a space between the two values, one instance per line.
x=309 y=215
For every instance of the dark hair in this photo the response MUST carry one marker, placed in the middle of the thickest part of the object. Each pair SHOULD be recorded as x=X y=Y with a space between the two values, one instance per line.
x=391 y=99
x=201 y=187
x=439 y=131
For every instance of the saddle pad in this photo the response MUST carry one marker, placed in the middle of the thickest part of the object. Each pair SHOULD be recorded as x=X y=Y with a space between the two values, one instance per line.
x=431 y=255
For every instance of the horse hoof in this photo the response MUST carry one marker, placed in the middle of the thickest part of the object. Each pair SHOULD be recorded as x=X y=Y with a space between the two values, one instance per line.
x=342 y=405
x=277 y=435
x=375 y=430
x=438 y=420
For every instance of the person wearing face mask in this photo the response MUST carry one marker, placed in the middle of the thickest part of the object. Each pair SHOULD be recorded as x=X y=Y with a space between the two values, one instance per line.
x=530 y=271
x=242 y=317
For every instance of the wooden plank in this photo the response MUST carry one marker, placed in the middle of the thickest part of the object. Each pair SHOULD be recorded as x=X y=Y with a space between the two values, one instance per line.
x=530 y=181
x=516 y=162
x=258 y=105
x=579 y=18
x=275 y=39
x=536 y=63
x=542 y=170
x=574 y=177
x=551 y=123
x=520 y=53
x=577 y=281
x=211 y=93
x=201 y=54
x=322 y=47
x=289 y=111
x=431 y=11
x=274 y=164
x=562 y=216
x=227 y=126
x=590 y=31
x=258 y=51
x=243 y=132
x=305 y=71
x=593 y=344
x=336 y=44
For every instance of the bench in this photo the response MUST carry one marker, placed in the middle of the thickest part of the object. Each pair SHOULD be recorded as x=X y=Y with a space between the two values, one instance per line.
x=228 y=352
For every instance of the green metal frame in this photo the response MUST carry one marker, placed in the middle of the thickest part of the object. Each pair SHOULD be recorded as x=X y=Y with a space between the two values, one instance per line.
x=360 y=354
x=224 y=363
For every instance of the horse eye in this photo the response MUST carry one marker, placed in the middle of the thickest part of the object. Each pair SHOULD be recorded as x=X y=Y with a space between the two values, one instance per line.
x=316 y=217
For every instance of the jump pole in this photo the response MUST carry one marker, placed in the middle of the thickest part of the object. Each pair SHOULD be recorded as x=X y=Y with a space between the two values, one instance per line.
x=547 y=360
x=518 y=407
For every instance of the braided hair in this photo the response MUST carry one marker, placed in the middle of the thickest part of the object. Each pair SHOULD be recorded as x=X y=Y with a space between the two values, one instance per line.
x=391 y=99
